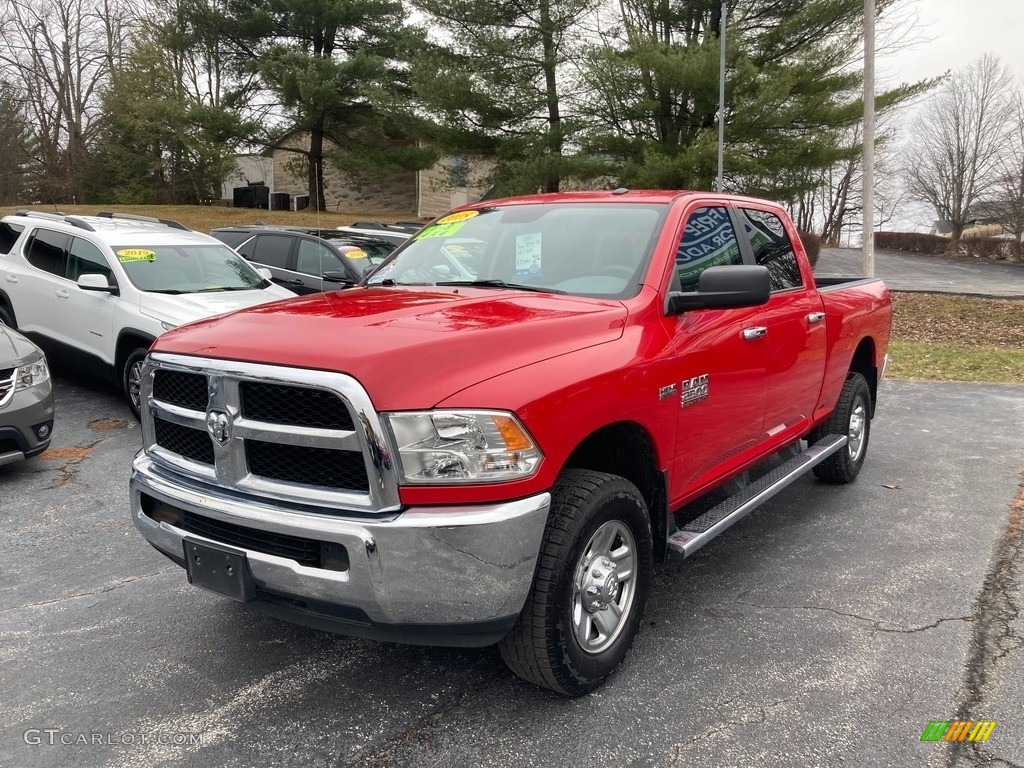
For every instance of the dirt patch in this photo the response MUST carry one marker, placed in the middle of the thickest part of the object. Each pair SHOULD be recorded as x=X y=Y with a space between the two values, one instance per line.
x=997 y=323
x=74 y=454
x=108 y=424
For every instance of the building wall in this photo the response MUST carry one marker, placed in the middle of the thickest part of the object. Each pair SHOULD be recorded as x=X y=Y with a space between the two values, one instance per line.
x=248 y=168
x=437 y=191
x=393 y=192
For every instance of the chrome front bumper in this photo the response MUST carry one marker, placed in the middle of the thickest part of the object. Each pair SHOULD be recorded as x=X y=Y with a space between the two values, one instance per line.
x=438 y=575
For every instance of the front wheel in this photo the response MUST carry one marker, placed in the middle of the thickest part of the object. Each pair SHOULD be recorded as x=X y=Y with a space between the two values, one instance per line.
x=852 y=417
x=131 y=379
x=591 y=583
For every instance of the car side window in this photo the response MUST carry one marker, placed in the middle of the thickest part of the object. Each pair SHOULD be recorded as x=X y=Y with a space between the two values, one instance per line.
x=315 y=259
x=45 y=250
x=8 y=237
x=84 y=258
x=709 y=240
x=272 y=250
x=772 y=248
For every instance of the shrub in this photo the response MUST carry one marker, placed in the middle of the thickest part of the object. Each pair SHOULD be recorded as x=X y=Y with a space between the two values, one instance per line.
x=912 y=242
x=812 y=244
x=987 y=247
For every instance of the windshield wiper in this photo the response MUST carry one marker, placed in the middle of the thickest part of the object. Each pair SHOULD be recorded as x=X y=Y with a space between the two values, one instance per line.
x=500 y=284
x=225 y=288
x=173 y=291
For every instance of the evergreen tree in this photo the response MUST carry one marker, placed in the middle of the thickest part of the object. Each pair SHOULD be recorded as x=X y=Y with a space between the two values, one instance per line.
x=497 y=82
x=336 y=69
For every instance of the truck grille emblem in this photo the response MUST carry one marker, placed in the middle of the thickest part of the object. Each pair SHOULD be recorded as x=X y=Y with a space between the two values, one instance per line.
x=218 y=424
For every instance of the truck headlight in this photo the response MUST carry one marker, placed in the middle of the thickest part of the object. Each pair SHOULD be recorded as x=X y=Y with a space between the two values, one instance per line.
x=31 y=375
x=463 y=447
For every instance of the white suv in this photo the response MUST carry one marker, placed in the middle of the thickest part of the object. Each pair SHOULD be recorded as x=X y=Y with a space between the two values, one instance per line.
x=95 y=291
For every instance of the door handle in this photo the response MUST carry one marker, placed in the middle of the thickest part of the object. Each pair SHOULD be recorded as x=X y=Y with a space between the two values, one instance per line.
x=751 y=334
x=293 y=282
x=815 y=317
x=62 y=294
x=11 y=278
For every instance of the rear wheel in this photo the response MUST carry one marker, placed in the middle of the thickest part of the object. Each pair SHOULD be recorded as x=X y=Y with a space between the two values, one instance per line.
x=852 y=417
x=592 y=580
x=131 y=378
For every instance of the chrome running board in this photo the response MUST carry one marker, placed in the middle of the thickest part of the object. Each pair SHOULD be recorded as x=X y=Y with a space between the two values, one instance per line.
x=699 y=532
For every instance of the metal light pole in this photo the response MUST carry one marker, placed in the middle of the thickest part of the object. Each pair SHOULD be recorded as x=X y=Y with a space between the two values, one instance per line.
x=721 y=100
x=868 y=214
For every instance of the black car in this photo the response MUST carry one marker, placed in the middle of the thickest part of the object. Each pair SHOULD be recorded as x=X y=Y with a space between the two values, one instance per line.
x=307 y=259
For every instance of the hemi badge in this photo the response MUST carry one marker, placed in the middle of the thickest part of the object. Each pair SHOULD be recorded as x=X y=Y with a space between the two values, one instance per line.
x=666 y=392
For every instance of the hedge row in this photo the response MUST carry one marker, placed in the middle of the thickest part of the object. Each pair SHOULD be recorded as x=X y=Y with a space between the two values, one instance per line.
x=915 y=242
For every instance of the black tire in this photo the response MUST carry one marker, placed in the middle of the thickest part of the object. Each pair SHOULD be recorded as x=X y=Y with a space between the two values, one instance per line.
x=7 y=317
x=543 y=647
x=130 y=379
x=852 y=417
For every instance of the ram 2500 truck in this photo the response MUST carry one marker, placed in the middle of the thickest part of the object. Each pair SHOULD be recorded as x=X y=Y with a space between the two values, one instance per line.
x=499 y=433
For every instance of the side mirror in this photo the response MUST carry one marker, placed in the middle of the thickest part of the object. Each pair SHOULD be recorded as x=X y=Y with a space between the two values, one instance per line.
x=337 y=276
x=265 y=273
x=725 y=287
x=93 y=281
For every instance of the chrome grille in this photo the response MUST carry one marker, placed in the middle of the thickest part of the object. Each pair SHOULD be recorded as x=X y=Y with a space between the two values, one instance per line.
x=294 y=435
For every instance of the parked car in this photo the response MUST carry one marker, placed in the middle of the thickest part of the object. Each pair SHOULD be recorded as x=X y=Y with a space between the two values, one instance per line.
x=95 y=291
x=26 y=398
x=396 y=234
x=498 y=447
x=307 y=259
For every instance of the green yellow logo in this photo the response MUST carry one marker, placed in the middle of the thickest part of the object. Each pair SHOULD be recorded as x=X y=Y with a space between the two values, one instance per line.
x=958 y=730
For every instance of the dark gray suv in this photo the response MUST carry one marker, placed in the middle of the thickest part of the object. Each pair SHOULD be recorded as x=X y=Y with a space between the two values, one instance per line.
x=26 y=398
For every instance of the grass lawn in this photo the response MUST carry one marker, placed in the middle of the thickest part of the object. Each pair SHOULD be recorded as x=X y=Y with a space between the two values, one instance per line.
x=203 y=218
x=957 y=338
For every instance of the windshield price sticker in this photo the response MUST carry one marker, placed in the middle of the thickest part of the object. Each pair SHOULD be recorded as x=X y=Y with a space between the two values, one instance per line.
x=447 y=226
x=128 y=255
x=357 y=254
x=455 y=218
x=528 y=254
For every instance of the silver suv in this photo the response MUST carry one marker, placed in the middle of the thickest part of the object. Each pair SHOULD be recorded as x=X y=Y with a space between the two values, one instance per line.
x=95 y=291
x=26 y=398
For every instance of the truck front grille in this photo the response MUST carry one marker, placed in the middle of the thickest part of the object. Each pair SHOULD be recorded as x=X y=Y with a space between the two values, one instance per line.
x=301 y=406
x=187 y=390
x=281 y=434
x=311 y=466
x=191 y=443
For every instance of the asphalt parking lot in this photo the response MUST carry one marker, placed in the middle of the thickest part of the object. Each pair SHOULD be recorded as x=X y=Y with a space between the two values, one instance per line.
x=932 y=274
x=827 y=629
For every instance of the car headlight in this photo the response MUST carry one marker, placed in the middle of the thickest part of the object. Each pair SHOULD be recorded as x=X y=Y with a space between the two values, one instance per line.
x=463 y=447
x=31 y=375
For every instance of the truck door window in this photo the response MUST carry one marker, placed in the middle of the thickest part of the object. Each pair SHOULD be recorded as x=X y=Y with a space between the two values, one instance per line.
x=772 y=248
x=709 y=240
x=45 y=251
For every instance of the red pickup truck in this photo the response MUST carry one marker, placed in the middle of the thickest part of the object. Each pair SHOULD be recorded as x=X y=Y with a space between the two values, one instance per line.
x=497 y=436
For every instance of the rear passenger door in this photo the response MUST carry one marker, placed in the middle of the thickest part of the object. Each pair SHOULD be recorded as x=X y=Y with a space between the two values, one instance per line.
x=273 y=252
x=37 y=281
x=795 y=322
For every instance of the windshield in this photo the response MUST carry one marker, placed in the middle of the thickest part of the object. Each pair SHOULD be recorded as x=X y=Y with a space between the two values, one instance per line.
x=187 y=268
x=586 y=249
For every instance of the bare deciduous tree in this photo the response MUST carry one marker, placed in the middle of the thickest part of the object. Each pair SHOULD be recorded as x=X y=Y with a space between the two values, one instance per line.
x=61 y=51
x=1009 y=194
x=953 y=153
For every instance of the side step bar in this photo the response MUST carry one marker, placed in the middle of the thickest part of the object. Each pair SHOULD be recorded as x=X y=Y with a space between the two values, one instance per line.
x=699 y=532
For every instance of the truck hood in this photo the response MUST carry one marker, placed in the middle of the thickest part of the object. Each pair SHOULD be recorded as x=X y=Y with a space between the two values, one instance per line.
x=409 y=347
x=187 y=307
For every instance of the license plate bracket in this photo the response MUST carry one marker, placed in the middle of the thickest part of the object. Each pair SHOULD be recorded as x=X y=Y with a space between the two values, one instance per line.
x=220 y=569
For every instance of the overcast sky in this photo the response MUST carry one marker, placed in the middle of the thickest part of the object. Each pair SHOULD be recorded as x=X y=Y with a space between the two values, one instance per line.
x=957 y=32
